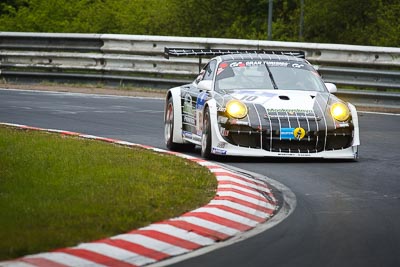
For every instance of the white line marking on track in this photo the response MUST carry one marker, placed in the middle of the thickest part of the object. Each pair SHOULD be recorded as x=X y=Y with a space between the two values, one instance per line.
x=379 y=113
x=79 y=94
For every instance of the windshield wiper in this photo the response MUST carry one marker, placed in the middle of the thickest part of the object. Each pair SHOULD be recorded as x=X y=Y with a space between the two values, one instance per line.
x=271 y=76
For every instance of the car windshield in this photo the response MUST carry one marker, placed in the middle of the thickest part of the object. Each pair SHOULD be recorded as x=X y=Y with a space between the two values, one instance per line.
x=267 y=75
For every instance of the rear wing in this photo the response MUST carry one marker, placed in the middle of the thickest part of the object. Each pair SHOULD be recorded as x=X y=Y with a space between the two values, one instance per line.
x=179 y=52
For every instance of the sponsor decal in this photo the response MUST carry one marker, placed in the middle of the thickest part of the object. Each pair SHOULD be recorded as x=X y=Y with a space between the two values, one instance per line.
x=291 y=116
x=294 y=154
x=342 y=124
x=188 y=119
x=241 y=64
x=254 y=63
x=304 y=155
x=277 y=64
x=187 y=134
x=221 y=145
x=201 y=100
x=291 y=110
x=218 y=151
x=299 y=133
x=287 y=133
x=298 y=66
x=222 y=67
x=238 y=122
x=187 y=104
x=224 y=132
x=292 y=133
x=286 y=154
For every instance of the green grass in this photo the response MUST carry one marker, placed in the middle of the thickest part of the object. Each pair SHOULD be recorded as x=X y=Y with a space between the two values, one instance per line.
x=58 y=191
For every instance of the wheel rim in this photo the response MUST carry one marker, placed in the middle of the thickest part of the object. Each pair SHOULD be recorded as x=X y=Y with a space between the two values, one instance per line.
x=168 y=124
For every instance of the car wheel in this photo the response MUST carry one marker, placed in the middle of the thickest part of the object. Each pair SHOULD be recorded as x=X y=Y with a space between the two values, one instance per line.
x=169 y=125
x=169 y=130
x=206 y=136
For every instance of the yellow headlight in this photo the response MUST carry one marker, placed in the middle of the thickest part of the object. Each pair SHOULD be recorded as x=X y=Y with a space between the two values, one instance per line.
x=236 y=109
x=340 y=111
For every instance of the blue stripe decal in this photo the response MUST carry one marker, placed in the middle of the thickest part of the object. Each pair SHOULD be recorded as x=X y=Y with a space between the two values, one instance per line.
x=287 y=133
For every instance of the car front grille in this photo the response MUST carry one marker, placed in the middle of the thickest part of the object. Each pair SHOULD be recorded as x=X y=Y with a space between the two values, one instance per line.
x=313 y=141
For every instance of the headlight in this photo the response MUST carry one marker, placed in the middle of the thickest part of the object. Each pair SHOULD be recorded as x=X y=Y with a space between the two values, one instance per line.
x=236 y=109
x=340 y=111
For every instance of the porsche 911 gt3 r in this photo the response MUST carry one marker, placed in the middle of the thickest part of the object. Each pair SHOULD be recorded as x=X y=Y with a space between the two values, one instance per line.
x=259 y=104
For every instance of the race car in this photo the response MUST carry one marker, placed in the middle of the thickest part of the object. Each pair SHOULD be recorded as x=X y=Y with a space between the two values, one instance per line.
x=259 y=104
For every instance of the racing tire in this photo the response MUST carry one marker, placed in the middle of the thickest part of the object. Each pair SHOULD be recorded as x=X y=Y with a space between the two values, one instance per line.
x=206 y=136
x=169 y=130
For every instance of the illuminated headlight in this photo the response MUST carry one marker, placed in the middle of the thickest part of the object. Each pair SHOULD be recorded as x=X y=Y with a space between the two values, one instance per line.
x=236 y=109
x=340 y=111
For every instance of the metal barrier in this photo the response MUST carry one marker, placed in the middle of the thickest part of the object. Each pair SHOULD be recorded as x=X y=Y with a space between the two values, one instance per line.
x=139 y=59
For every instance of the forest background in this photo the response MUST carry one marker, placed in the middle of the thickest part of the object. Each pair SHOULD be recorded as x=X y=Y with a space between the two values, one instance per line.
x=361 y=22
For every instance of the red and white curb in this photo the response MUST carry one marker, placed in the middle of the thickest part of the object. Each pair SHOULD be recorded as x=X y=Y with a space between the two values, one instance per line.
x=241 y=203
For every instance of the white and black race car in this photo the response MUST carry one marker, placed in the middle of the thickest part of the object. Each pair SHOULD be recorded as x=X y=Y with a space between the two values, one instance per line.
x=259 y=103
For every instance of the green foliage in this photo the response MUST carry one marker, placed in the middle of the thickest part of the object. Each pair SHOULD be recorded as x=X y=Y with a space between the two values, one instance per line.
x=365 y=22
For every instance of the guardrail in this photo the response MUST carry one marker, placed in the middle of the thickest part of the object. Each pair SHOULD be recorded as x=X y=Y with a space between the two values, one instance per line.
x=139 y=59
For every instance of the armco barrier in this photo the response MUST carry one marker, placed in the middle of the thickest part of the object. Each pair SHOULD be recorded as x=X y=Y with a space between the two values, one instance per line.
x=139 y=59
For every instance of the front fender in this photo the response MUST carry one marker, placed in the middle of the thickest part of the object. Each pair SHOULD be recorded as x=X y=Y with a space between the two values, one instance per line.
x=356 y=138
x=175 y=94
x=212 y=107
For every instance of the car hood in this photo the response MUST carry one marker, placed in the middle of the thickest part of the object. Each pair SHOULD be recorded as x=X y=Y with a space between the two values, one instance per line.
x=284 y=100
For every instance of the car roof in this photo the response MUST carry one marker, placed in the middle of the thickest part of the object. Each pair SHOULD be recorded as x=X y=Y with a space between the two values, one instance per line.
x=254 y=56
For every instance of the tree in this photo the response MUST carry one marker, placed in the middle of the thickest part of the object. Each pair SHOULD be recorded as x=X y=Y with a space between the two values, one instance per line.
x=364 y=22
x=11 y=6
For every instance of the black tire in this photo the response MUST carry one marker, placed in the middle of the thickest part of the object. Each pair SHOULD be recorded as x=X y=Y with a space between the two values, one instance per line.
x=206 y=136
x=169 y=130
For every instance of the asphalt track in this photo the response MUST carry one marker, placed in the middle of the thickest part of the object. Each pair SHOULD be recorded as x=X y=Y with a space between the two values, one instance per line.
x=347 y=214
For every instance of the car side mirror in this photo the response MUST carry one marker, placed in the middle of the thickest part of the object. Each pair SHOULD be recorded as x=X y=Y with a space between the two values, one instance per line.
x=331 y=87
x=205 y=85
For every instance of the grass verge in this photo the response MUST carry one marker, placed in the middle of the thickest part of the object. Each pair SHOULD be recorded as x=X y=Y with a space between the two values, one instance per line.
x=58 y=191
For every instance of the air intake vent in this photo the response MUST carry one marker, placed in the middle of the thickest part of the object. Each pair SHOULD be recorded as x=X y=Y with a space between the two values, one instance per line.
x=284 y=97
